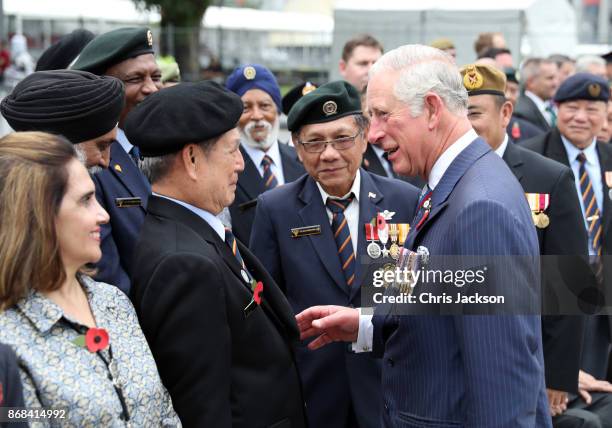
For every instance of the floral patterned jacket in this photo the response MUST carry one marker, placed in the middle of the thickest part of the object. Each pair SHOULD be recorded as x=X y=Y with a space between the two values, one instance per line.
x=57 y=373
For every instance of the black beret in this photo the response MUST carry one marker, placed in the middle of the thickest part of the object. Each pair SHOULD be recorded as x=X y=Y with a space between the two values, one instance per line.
x=185 y=113
x=295 y=94
x=61 y=53
x=78 y=105
x=511 y=74
x=583 y=86
x=326 y=103
x=114 y=47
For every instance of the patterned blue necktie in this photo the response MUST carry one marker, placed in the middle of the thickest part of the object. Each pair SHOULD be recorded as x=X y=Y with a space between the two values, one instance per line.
x=135 y=154
x=342 y=235
x=269 y=178
x=591 y=214
x=230 y=239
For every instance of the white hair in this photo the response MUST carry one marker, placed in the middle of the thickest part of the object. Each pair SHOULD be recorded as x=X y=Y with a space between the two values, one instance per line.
x=583 y=63
x=157 y=167
x=424 y=69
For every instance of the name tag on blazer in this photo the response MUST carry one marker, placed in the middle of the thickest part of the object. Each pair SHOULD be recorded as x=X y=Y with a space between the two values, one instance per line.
x=298 y=232
x=248 y=204
x=128 y=202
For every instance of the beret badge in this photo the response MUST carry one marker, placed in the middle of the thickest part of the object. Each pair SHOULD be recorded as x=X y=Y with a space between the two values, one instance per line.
x=150 y=38
x=472 y=79
x=308 y=88
x=594 y=89
x=249 y=73
x=329 y=108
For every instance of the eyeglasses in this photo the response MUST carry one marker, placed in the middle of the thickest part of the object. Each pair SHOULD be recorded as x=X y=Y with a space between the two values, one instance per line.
x=341 y=143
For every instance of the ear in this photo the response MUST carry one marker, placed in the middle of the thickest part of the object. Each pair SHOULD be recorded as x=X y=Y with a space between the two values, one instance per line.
x=189 y=160
x=433 y=107
x=342 y=67
x=506 y=113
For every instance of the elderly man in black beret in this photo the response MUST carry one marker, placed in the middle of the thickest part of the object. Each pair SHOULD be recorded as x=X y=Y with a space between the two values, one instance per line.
x=63 y=52
x=219 y=327
x=127 y=54
x=581 y=101
x=315 y=237
x=80 y=106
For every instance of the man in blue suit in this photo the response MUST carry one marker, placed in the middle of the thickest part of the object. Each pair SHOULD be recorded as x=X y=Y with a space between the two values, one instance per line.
x=449 y=370
x=123 y=191
x=315 y=247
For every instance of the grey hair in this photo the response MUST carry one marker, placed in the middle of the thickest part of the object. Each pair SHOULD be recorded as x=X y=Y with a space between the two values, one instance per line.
x=424 y=69
x=157 y=167
x=530 y=68
x=82 y=157
x=582 y=64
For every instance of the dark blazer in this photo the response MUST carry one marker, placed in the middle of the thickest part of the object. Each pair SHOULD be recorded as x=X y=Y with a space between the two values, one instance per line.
x=565 y=236
x=595 y=359
x=251 y=185
x=122 y=179
x=221 y=367
x=309 y=272
x=11 y=393
x=526 y=109
x=457 y=370
x=524 y=130
x=371 y=163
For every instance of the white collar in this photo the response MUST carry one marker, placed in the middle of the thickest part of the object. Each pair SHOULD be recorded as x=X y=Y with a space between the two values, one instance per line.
x=572 y=151
x=207 y=216
x=123 y=141
x=502 y=148
x=539 y=102
x=354 y=189
x=257 y=155
x=449 y=155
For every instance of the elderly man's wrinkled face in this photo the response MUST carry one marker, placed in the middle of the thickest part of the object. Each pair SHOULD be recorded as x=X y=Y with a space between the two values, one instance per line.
x=393 y=129
x=141 y=77
x=259 y=124
x=581 y=120
x=334 y=165
x=95 y=153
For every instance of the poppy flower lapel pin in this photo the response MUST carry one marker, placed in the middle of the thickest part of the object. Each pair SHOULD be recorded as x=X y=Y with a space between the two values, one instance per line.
x=95 y=339
x=257 y=288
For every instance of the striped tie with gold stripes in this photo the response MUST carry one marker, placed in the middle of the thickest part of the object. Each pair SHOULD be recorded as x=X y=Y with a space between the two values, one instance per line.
x=342 y=235
x=269 y=178
x=591 y=211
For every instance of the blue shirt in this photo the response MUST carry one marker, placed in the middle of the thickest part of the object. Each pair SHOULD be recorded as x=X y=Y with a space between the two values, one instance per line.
x=593 y=169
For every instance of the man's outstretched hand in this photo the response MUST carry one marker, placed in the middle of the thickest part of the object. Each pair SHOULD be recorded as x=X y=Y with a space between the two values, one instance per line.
x=329 y=323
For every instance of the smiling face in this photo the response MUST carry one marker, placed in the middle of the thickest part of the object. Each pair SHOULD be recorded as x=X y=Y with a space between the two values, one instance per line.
x=489 y=118
x=141 y=77
x=79 y=218
x=334 y=169
x=259 y=122
x=581 y=120
x=393 y=128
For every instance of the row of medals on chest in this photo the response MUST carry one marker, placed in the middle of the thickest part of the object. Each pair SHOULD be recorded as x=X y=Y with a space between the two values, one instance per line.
x=386 y=240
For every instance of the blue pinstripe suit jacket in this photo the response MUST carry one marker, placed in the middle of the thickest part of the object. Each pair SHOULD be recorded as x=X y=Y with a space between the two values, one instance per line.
x=471 y=370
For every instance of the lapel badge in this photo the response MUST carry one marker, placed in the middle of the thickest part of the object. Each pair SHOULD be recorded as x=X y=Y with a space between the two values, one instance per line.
x=371 y=195
x=118 y=168
x=128 y=202
x=387 y=215
x=298 y=232
x=245 y=276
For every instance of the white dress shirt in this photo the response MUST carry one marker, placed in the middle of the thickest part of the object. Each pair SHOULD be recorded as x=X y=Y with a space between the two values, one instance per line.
x=208 y=217
x=351 y=213
x=541 y=105
x=273 y=152
x=593 y=168
x=123 y=141
x=502 y=148
x=365 y=334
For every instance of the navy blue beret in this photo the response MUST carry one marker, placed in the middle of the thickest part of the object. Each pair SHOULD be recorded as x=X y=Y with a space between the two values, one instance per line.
x=254 y=76
x=583 y=86
x=186 y=113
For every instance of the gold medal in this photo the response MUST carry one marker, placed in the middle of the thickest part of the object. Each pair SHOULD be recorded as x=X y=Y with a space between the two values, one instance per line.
x=542 y=220
x=404 y=228
x=394 y=251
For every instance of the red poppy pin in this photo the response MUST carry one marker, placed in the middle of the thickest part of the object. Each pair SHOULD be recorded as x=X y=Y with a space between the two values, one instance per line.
x=257 y=292
x=96 y=339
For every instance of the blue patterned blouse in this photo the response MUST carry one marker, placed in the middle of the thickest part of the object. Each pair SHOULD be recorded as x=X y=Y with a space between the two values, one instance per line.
x=58 y=373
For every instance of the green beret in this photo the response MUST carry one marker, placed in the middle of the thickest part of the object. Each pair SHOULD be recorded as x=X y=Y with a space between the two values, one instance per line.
x=326 y=103
x=114 y=47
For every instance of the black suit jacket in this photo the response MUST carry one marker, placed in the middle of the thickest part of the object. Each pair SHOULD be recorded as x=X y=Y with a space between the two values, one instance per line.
x=520 y=130
x=526 y=109
x=221 y=367
x=251 y=185
x=565 y=236
x=11 y=393
x=371 y=163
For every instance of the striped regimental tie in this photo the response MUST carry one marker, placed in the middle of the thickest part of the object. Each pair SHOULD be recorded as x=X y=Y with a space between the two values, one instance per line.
x=269 y=178
x=591 y=213
x=342 y=236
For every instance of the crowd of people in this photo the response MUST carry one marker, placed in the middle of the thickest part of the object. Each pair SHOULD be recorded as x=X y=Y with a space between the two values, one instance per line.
x=168 y=261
